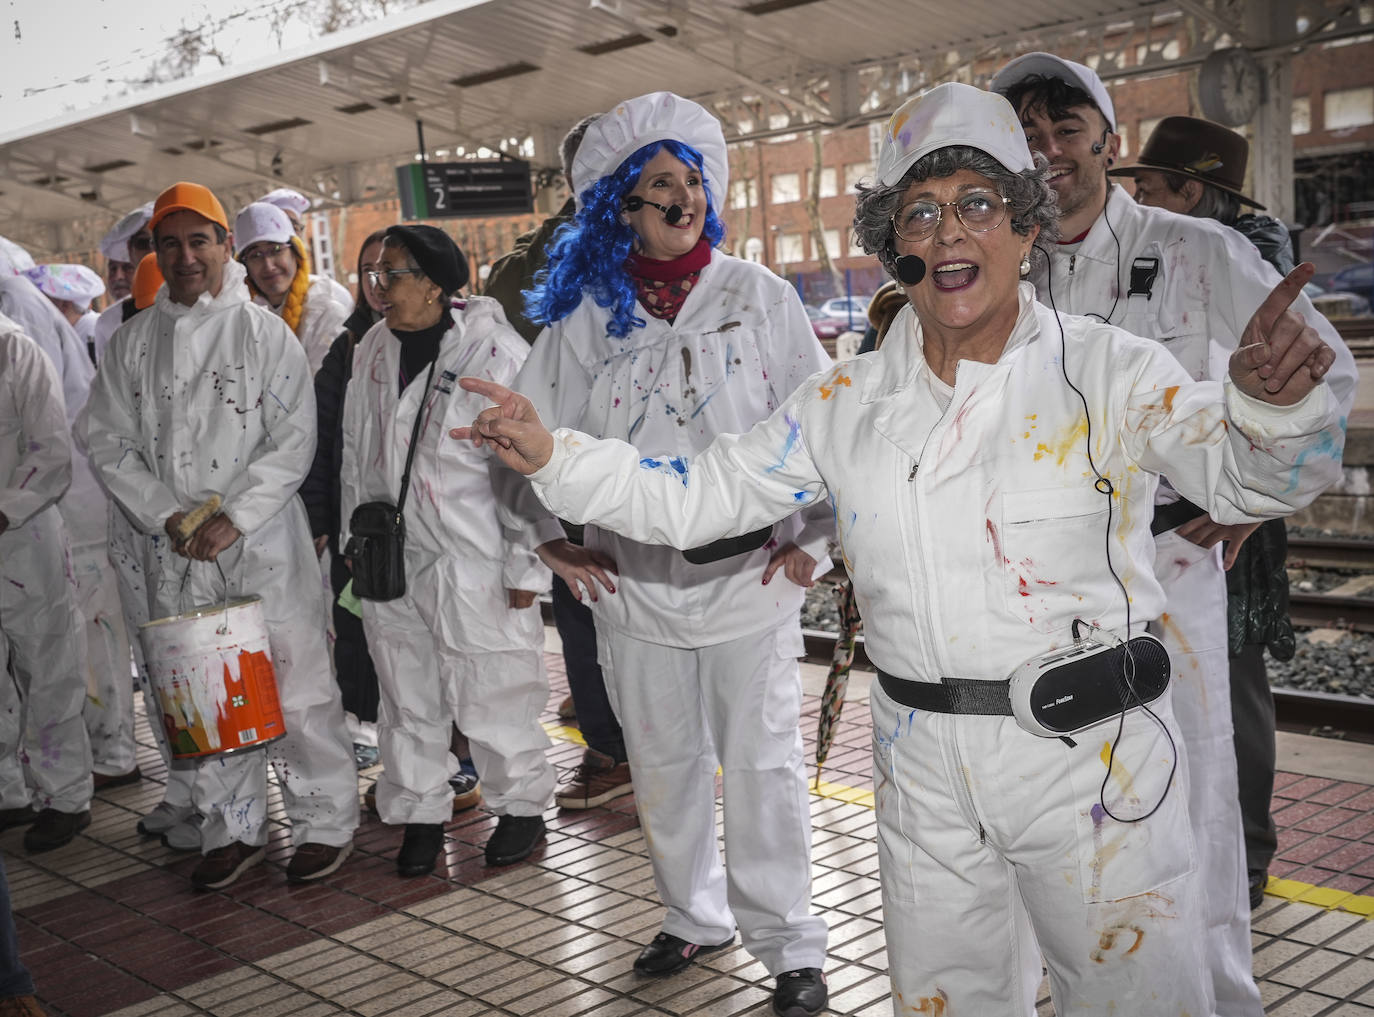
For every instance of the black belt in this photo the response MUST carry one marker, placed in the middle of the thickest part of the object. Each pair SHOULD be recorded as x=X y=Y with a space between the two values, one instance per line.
x=728 y=547
x=1170 y=517
x=951 y=695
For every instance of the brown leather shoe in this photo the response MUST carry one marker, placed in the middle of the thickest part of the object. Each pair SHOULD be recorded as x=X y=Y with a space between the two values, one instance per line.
x=108 y=780
x=315 y=861
x=597 y=780
x=21 y=1006
x=222 y=866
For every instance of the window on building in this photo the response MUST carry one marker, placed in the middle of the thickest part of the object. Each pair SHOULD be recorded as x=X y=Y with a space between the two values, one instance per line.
x=788 y=249
x=855 y=250
x=1124 y=132
x=1348 y=107
x=828 y=183
x=778 y=120
x=786 y=187
x=1147 y=127
x=832 y=242
x=741 y=193
x=1302 y=114
x=855 y=172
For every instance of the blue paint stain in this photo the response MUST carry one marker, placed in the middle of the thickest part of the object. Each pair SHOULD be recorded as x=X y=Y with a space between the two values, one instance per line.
x=799 y=496
x=673 y=466
x=1327 y=446
x=793 y=440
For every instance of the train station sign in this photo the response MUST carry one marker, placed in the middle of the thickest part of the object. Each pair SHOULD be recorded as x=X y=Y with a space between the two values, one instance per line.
x=451 y=190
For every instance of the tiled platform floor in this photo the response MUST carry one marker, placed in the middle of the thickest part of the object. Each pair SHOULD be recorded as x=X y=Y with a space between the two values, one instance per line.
x=109 y=925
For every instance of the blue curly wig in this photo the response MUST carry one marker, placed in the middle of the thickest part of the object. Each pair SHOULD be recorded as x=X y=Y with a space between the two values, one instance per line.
x=587 y=256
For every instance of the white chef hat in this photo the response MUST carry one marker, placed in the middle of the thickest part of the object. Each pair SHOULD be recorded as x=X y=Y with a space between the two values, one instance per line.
x=1050 y=66
x=287 y=200
x=952 y=114
x=76 y=283
x=13 y=258
x=261 y=221
x=634 y=123
x=115 y=244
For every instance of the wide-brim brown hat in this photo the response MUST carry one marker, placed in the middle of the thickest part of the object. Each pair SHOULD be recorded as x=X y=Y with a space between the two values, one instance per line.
x=1197 y=148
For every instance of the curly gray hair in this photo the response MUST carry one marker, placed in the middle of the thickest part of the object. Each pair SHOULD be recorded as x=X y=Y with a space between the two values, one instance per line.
x=1030 y=199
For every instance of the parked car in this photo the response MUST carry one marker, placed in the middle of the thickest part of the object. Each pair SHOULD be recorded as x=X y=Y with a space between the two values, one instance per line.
x=825 y=326
x=1337 y=303
x=844 y=307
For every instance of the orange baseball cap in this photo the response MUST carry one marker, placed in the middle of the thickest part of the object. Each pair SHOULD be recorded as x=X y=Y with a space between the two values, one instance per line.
x=183 y=196
x=147 y=281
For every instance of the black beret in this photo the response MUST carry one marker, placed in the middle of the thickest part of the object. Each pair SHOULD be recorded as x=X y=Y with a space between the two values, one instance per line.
x=436 y=254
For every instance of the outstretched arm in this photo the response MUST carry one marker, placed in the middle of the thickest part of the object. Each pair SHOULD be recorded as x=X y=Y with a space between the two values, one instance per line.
x=1281 y=358
x=511 y=427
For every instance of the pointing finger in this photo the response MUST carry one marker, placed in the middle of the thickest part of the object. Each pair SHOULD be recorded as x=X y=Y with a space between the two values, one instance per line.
x=1280 y=298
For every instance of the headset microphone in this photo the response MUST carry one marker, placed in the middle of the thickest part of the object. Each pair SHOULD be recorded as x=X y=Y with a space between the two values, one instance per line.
x=910 y=269
x=1101 y=143
x=671 y=213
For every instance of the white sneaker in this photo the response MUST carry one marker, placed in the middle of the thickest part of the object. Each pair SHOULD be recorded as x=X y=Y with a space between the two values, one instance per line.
x=185 y=836
x=163 y=818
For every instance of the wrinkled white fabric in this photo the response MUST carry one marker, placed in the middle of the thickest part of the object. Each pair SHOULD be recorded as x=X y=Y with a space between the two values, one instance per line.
x=321 y=321
x=1210 y=281
x=109 y=320
x=450 y=650
x=217 y=398
x=738 y=347
x=993 y=490
x=45 y=755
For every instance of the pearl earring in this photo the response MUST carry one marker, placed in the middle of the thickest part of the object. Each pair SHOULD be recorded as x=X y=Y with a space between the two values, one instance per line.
x=1025 y=265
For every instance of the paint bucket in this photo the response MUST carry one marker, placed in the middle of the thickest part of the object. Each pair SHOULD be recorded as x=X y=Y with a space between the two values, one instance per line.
x=211 y=669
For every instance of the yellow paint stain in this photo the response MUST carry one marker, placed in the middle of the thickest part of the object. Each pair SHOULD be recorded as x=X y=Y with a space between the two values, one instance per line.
x=828 y=390
x=1060 y=447
x=1171 y=627
x=1123 y=776
x=1169 y=394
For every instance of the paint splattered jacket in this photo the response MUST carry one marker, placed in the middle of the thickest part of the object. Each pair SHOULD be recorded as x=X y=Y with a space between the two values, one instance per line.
x=739 y=346
x=452 y=522
x=974 y=535
x=35 y=447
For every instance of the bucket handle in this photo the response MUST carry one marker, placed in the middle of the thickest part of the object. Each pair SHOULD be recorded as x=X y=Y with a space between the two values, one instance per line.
x=181 y=593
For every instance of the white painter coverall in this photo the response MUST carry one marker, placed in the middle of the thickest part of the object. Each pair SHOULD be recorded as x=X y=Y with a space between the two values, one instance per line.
x=217 y=399
x=1209 y=281
x=321 y=321
x=974 y=536
x=109 y=700
x=45 y=756
x=451 y=649
x=700 y=661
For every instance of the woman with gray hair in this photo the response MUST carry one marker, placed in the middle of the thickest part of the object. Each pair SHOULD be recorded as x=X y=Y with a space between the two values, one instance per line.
x=994 y=448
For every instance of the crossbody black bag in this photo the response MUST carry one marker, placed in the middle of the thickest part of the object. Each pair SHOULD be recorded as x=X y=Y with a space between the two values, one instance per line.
x=377 y=530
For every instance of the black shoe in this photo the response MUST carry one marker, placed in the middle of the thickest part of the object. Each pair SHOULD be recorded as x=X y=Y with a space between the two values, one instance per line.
x=1259 y=879
x=420 y=849
x=800 y=993
x=52 y=829
x=667 y=955
x=23 y=815
x=515 y=837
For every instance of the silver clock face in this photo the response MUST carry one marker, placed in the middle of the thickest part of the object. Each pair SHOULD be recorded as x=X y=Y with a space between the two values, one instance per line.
x=1229 y=87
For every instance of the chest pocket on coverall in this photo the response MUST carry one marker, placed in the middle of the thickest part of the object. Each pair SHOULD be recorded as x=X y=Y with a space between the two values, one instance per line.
x=1045 y=535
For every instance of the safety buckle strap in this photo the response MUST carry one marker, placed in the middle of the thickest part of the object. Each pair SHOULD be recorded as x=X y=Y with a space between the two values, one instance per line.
x=951 y=695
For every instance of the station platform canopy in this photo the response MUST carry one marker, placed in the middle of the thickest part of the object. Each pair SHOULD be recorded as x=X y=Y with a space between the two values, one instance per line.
x=510 y=76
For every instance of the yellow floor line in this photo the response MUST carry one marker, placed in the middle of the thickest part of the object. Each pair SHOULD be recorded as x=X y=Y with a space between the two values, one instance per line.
x=1288 y=889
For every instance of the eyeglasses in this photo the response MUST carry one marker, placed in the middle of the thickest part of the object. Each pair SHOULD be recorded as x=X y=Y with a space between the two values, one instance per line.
x=261 y=252
x=979 y=211
x=381 y=280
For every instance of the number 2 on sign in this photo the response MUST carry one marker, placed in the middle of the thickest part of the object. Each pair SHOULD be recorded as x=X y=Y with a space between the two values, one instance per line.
x=440 y=196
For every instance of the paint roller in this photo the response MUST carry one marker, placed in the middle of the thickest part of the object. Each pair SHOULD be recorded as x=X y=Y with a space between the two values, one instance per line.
x=194 y=519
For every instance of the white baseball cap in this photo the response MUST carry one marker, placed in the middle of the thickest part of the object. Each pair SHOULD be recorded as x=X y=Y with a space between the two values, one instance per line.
x=261 y=221
x=1050 y=66
x=76 y=283
x=634 y=123
x=115 y=244
x=952 y=114
x=287 y=200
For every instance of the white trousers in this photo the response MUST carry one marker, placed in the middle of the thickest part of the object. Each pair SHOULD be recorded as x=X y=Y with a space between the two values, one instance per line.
x=428 y=684
x=1194 y=630
x=109 y=707
x=314 y=761
x=45 y=753
x=992 y=840
x=736 y=705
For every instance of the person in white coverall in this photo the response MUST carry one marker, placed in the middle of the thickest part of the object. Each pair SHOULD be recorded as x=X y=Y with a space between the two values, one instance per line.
x=279 y=278
x=109 y=702
x=296 y=205
x=124 y=247
x=45 y=756
x=1190 y=284
x=71 y=288
x=969 y=447
x=699 y=657
x=206 y=393
x=465 y=642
